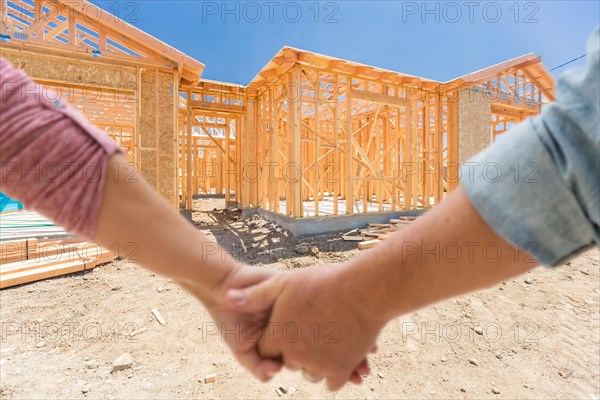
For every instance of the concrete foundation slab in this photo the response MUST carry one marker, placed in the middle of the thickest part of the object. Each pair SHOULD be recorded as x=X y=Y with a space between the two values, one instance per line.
x=314 y=225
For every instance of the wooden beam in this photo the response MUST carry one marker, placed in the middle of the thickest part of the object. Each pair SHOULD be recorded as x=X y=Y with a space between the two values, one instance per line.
x=72 y=30
x=215 y=141
x=228 y=108
x=549 y=93
x=3 y=16
x=143 y=39
x=377 y=98
x=522 y=105
x=39 y=22
x=510 y=112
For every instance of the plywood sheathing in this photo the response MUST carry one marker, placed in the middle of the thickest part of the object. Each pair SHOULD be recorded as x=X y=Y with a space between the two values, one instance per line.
x=93 y=74
x=474 y=116
x=158 y=135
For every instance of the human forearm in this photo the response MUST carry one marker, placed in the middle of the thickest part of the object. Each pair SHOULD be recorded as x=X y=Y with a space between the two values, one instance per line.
x=447 y=252
x=133 y=214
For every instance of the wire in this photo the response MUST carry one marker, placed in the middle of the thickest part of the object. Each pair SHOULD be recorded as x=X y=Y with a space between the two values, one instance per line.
x=568 y=62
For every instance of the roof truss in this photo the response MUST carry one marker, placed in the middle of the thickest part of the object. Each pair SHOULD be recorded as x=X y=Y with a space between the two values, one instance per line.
x=82 y=27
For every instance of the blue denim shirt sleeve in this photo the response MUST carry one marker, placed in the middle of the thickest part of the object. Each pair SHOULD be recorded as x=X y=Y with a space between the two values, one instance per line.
x=547 y=197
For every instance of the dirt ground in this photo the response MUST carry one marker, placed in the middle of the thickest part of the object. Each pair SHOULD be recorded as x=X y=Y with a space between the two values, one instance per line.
x=522 y=340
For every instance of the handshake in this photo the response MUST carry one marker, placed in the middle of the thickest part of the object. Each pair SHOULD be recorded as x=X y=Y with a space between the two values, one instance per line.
x=318 y=320
x=325 y=320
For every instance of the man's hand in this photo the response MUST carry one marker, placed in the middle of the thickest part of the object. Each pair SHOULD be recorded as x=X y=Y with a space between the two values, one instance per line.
x=248 y=323
x=322 y=322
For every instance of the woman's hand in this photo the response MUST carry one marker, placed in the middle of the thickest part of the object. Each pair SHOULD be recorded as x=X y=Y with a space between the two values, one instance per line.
x=241 y=330
x=322 y=322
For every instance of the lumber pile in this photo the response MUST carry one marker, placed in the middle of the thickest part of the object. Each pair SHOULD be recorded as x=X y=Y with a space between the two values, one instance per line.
x=374 y=234
x=30 y=260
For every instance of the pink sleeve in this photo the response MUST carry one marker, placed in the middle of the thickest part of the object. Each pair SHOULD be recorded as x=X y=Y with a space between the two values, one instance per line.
x=51 y=159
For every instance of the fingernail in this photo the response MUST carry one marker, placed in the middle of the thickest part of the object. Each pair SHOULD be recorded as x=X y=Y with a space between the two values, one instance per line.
x=236 y=296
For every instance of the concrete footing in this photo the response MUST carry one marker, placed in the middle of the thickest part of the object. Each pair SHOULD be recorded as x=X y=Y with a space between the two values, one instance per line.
x=314 y=225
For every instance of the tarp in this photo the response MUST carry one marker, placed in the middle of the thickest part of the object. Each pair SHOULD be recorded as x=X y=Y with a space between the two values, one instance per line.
x=7 y=204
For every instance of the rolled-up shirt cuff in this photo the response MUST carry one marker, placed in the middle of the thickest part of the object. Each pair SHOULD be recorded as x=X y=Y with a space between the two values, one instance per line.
x=517 y=189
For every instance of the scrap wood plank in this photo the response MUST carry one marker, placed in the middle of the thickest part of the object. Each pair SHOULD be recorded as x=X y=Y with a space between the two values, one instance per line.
x=352 y=237
x=349 y=238
x=368 y=244
x=379 y=226
x=52 y=271
x=158 y=316
x=401 y=221
x=138 y=331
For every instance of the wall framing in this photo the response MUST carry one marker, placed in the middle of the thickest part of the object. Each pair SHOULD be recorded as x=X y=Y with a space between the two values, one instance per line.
x=310 y=137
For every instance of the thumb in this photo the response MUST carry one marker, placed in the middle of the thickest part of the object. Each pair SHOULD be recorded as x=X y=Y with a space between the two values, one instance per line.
x=259 y=297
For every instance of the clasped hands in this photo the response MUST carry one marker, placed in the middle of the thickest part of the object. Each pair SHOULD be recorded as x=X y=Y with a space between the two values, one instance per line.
x=319 y=320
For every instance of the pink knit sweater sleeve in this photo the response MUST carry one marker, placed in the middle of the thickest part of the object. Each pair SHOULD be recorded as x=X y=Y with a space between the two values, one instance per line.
x=51 y=158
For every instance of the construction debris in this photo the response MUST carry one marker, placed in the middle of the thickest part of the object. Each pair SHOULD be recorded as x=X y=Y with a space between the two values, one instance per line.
x=210 y=378
x=139 y=331
x=374 y=234
x=158 y=316
x=124 y=361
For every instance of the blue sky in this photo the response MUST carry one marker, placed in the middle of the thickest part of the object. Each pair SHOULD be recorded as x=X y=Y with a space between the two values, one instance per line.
x=436 y=40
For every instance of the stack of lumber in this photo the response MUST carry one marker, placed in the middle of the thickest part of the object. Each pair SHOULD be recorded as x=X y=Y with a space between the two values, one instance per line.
x=28 y=224
x=374 y=234
x=30 y=260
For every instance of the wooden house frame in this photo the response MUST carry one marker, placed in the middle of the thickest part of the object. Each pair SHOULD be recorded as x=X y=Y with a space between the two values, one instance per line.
x=309 y=136
x=124 y=80
x=329 y=137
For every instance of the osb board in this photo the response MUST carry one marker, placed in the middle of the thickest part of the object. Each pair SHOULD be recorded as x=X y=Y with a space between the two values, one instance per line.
x=157 y=134
x=148 y=109
x=167 y=177
x=64 y=70
x=166 y=114
x=474 y=116
x=148 y=162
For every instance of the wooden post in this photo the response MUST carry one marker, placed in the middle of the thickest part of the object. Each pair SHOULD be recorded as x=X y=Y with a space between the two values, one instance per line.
x=240 y=137
x=453 y=165
x=349 y=151
x=415 y=156
x=337 y=153
x=227 y=168
x=276 y=158
x=137 y=154
x=156 y=128
x=297 y=143
x=291 y=118
x=317 y=145
x=425 y=151
x=175 y=149
x=408 y=166
x=188 y=152
x=438 y=145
